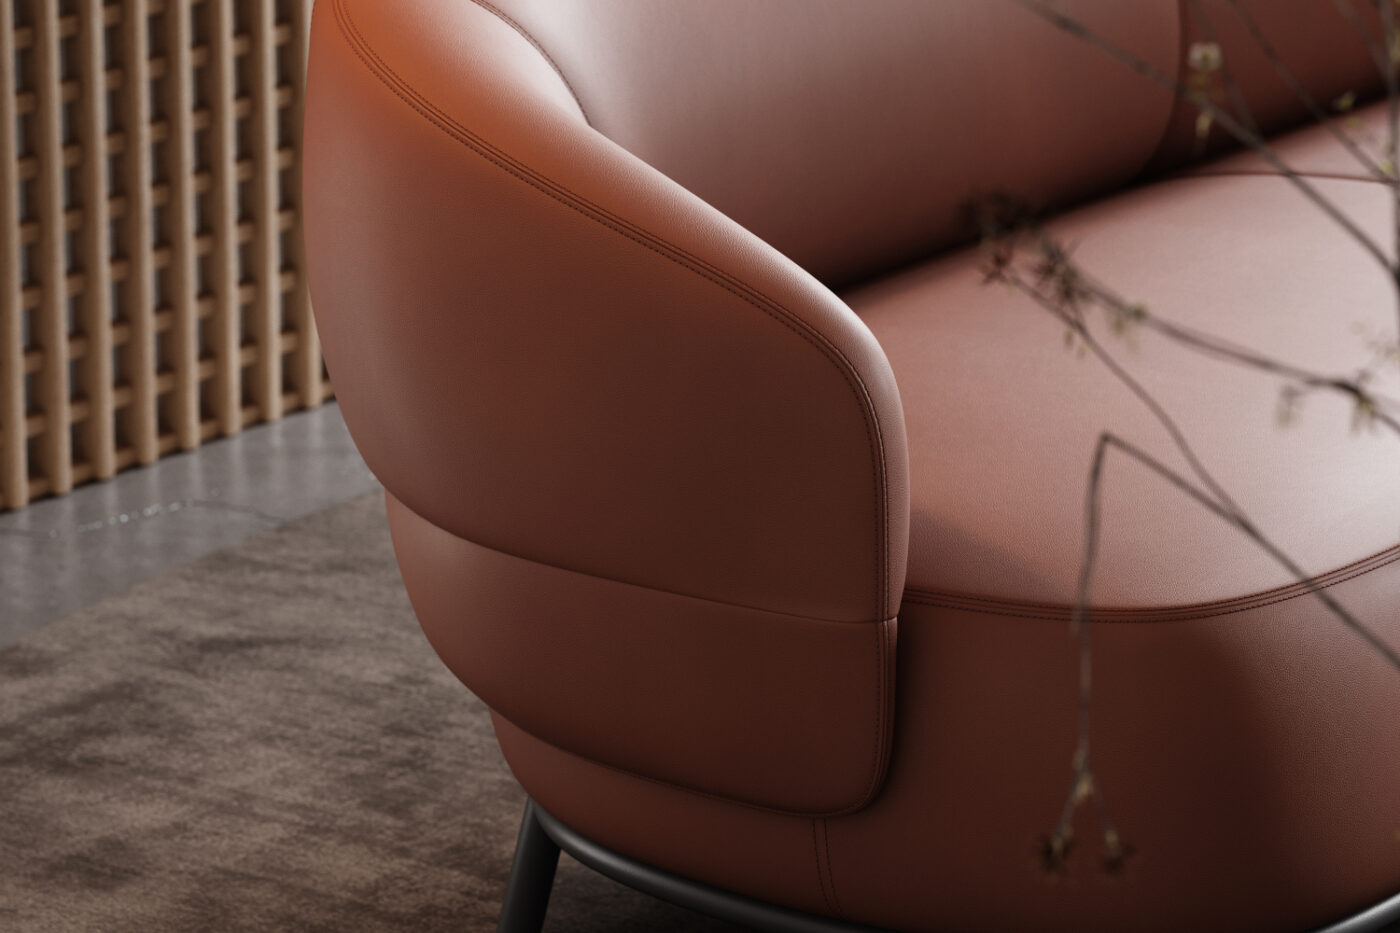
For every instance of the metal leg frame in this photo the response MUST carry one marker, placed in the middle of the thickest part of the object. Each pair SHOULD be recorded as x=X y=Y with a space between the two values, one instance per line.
x=531 y=877
x=542 y=837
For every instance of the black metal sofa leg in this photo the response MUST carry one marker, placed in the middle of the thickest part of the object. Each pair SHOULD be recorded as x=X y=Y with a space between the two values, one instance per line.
x=531 y=877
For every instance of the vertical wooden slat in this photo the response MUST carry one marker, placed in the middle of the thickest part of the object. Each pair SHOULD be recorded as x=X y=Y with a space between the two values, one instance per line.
x=138 y=294
x=184 y=335
x=155 y=368
x=267 y=309
x=14 y=467
x=306 y=359
x=56 y=445
x=99 y=430
x=226 y=394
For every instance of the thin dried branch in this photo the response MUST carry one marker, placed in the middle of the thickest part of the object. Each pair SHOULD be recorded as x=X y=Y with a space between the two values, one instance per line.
x=1384 y=410
x=1392 y=93
x=1245 y=526
x=1084 y=785
x=1215 y=498
x=1385 y=352
x=1324 y=119
x=1056 y=284
x=1227 y=76
x=1067 y=299
x=1220 y=116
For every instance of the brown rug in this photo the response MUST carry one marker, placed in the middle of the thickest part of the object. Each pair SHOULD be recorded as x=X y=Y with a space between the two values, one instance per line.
x=263 y=740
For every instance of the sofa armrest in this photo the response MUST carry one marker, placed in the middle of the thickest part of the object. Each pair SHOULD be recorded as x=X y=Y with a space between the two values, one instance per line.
x=547 y=350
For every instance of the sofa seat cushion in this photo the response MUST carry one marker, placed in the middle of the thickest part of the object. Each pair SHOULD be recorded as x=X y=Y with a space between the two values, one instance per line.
x=1003 y=419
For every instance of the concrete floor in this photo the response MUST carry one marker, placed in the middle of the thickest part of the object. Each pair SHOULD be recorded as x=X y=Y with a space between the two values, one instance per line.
x=60 y=555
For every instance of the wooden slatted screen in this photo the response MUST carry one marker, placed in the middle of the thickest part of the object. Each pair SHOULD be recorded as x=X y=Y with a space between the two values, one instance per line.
x=152 y=278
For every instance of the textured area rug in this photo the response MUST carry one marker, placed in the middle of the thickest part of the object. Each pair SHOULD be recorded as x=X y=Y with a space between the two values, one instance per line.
x=263 y=740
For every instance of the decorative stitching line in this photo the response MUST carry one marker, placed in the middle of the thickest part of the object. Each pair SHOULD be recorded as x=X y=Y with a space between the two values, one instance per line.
x=671 y=251
x=889 y=673
x=796 y=617
x=882 y=690
x=738 y=288
x=821 y=874
x=830 y=875
x=882 y=699
x=503 y=17
x=1059 y=613
x=681 y=788
x=1379 y=557
x=877 y=746
x=1270 y=173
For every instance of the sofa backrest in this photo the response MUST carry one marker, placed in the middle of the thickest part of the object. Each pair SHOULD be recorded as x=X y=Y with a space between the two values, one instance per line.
x=849 y=133
x=1319 y=42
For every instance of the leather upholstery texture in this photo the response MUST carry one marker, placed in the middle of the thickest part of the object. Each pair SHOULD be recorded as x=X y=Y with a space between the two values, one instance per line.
x=717 y=469
x=701 y=418
x=1241 y=734
x=1235 y=256
x=848 y=133
x=775 y=710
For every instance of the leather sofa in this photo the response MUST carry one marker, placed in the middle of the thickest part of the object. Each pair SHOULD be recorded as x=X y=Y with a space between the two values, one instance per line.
x=715 y=468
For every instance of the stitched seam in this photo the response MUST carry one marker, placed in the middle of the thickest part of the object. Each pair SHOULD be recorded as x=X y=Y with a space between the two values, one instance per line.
x=743 y=291
x=1143 y=616
x=830 y=875
x=888 y=673
x=796 y=617
x=505 y=18
x=881 y=689
x=1164 y=134
x=888 y=678
x=732 y=801
x=821 y=874
x=681 y=788
x=1385 y=556
x=875 y=745
x=674 y=253
x=881 y=675
x=1274 y=173
x=881 y=696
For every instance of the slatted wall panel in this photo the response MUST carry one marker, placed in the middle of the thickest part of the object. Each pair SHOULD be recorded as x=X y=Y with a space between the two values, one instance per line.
x=152 y=286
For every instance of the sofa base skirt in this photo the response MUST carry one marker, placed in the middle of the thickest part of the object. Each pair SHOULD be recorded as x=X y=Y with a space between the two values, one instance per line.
x=542 y=838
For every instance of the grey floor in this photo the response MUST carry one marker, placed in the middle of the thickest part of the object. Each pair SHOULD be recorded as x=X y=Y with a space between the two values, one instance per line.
x=60 y=555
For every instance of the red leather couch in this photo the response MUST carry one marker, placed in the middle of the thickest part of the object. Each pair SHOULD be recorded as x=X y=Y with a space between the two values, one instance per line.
x=715 y=468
